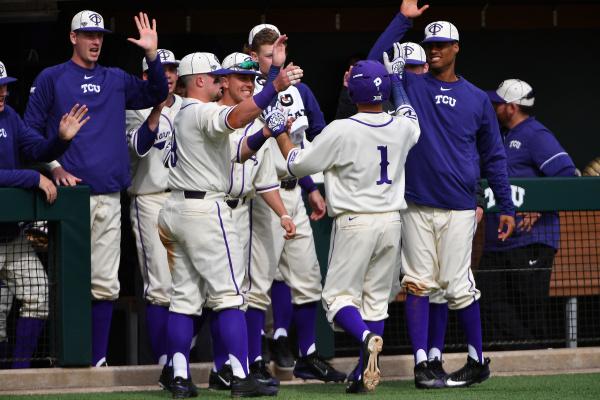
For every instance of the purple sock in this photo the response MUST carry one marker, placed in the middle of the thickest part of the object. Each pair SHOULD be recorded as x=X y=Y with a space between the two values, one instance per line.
x=28 y=333
x=305 y=317
x=101 y=317
x=220 y=355
x=281 y=302
x=470 y=319
x=232 y=324
x=350 y=320
x=157 y=318
x=255 y=320
x=179 y=334
x=417 y=320
x=438 y=320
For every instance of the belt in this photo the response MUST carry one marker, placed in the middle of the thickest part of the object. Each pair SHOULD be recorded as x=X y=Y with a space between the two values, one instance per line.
x=288 y=184
x=233 y=203
x=193 y=194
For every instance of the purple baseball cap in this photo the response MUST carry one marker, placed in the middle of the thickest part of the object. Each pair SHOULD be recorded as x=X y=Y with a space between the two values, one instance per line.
x=369 y=83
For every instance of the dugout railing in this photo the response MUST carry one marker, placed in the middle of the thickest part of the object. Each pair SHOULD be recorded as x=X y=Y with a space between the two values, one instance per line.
x=60 y=235
x=528 y=305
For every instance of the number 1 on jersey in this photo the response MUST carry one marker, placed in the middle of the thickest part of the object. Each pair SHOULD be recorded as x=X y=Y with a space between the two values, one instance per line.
x=383 y=173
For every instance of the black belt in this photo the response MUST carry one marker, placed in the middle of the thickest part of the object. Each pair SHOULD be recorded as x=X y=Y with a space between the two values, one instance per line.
x=194 y=194
x=288 y=184
x=233 y=203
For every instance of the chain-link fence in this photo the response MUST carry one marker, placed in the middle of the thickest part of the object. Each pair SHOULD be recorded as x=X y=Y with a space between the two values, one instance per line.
x=26 y=296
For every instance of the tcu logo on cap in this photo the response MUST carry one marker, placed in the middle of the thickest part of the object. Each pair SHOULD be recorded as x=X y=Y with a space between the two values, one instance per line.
x=408 y=50
x=164 y=54
x=377 y=81
x=435 y=28
x=95 y=18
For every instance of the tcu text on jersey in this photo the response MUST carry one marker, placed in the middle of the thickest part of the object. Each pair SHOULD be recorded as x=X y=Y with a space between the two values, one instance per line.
x=90 y=87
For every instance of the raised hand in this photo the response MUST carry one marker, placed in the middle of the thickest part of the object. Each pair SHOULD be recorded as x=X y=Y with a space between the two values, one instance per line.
x=279 y=51
x=148 y=36
x=275 y=120
x=288 y=76
x=410 y=8
x=48 y=188
x=71 y=122
x=395 y=66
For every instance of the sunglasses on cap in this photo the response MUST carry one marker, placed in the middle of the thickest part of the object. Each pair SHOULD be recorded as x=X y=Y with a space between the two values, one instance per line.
x=248 y=65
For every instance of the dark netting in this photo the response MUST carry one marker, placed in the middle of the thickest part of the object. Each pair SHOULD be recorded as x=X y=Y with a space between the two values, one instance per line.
x=532 y=297
x=26 y=294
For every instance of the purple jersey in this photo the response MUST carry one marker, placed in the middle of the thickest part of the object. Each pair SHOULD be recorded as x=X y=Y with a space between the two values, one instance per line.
x=99 y=153
x=459 y=131
x=532 y=151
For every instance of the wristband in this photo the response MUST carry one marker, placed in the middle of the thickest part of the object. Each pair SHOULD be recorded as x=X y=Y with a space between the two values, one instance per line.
x=273 y=72
x=307 y=184
x=256 y=140
x=285 y=216
x=263 y=99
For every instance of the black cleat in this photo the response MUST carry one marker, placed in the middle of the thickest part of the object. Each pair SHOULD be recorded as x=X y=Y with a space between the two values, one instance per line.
x=426 y=378
x=220 y=380
x=281 y=353
x=183 y=388
x=355 y=383
x=437 y=368
x=250 y=387
x=314 y=367
x=266 y=352
x=473 y=372
x=262 y=374
x=370 y=373
x=166 y=377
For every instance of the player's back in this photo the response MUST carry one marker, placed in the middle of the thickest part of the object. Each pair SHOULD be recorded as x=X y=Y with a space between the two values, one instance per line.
x=368 y=172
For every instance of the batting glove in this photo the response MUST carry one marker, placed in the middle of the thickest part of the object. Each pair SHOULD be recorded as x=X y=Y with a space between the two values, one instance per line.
x=275 y=120
x=396 y=66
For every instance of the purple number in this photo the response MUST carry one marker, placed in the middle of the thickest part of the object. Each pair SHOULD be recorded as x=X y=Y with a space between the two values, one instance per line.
x=383 y=174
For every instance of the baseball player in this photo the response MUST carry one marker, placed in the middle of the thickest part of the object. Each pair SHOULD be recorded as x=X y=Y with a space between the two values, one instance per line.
x=149 y=133
x=459 y=131
x=362 y=158
x=20 y=268
x=255 y=176
x=532 y=151
x=296 y=259
x=195 y=223
x=99 y=157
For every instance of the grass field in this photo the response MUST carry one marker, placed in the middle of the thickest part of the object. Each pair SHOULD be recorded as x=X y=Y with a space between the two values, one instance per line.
x=563 y=387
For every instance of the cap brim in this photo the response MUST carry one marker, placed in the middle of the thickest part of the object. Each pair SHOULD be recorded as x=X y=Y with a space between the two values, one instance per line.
x=438 y=39
x=415 y=62
x=494 y=98
x=92 y=29
x=7 y=79
x=222 y=71
x=243 y=72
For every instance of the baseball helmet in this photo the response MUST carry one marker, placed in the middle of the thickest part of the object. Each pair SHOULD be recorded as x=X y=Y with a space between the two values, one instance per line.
x=369 y=83
x=4 y=78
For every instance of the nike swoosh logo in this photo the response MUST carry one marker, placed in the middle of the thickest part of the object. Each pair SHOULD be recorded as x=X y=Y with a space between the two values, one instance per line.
x=225 y=381
x=87 y=77
x=450 y=382
x=351 y=218
x=533 y=262
x=443 y=89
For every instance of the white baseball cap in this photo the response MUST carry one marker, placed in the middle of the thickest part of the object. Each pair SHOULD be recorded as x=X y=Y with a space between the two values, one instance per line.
x=88 y=21
x=513 y=91
x=4 y=78
x=440 y=31
x=259 y=28
x=165 y=56
x=240 y=63
x=413 y=53
x=201 y=63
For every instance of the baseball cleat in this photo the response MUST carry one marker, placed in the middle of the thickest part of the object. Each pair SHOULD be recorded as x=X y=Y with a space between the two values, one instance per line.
x=355 y=383
x=426 y=378
x=473 y=372
x=221 y=379
x=313 y=366
x=371 y=347
x=265 y=351
x=166 y=377
x=183 y=388
x=250 y=387
x=436 y=366
x=281 y=353
x=262 y=374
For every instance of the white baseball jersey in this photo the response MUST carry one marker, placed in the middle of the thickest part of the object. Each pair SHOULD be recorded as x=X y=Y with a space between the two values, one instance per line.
x=361 y=157
x=149 y=174
x=257 y=174
x=200 y=149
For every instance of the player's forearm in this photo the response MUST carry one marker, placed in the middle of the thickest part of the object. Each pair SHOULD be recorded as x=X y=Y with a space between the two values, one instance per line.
x=144 y=138
x=285 y=144
x=250 y=144
x=400 y=99
x=273 y=200
x=393 y=33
